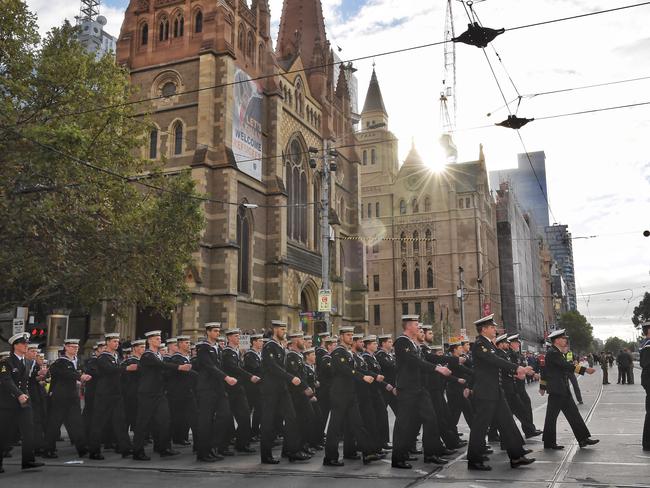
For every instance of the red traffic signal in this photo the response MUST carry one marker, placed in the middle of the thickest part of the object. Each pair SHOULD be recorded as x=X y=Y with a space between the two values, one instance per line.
x=38 y=332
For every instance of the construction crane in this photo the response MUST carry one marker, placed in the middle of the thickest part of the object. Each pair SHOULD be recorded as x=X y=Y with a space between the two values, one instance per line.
x=448 y=97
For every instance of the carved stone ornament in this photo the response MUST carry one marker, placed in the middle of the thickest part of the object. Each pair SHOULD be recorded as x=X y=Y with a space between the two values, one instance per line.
x=143 y=6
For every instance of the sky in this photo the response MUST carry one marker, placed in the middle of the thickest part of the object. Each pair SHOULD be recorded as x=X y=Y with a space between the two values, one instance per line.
x=598 y=165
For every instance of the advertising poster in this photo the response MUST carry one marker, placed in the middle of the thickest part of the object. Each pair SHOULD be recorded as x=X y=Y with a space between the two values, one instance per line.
x=247 y=125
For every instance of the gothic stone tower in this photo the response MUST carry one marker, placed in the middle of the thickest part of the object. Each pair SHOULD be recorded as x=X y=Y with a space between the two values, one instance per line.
x=241 y=117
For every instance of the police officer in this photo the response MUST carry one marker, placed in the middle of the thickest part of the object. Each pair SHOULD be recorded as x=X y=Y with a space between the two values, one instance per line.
x=15 y=407
x=214 y=411
x=344 y=403
x=556 y=383
x=65 y=408
x=153 y=407
x=180 y=393
x=253 y=364
x=108 y=402
x=490 y=400
x=276 y=399
x=237 y=394
x=644 y=361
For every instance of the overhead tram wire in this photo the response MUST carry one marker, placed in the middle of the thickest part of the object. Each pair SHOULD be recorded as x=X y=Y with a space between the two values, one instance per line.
x=360 y=58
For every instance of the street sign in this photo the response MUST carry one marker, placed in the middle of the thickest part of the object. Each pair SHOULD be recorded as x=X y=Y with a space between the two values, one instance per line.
x=19 y=326
x=325 y=301
x=463 y=333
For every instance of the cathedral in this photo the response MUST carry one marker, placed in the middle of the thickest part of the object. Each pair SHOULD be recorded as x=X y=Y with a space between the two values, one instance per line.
x=241 y=116
x=421 y=228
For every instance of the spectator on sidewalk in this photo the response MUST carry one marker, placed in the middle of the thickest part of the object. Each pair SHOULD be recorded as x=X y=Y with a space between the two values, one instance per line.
x=624 y=362
x=604 y=364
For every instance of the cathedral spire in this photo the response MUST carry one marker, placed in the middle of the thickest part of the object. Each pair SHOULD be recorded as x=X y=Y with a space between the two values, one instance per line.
x=374 y=100
x=302 y=30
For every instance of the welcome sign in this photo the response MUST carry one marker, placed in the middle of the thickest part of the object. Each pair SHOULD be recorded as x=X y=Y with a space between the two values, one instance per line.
x=247 y=125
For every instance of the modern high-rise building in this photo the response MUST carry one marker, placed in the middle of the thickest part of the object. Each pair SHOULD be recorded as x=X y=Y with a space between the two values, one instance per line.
x=91 y=30
x=561 y=246
x=529 y=181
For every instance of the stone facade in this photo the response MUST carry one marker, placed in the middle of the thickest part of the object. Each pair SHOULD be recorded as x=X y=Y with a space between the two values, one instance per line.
x=420 y=227
x=194 y=69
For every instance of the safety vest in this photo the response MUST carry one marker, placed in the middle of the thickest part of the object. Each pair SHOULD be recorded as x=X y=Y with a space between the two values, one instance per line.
x=569 y=356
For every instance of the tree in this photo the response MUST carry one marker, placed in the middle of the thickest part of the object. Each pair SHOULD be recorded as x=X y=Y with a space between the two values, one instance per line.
x=642 y=311
x=579 y=330
x=75 y=228
x=615 y=344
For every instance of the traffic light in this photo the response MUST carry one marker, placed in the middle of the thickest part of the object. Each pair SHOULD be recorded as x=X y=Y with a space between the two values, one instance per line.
x=38 y=333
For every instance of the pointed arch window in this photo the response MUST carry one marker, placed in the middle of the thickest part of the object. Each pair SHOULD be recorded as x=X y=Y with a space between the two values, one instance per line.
x=178 y=138
x=296 y=185
x=427 y=204
x=365 y=158
x=153 y=144
x=377 y=210
x=405 y=277
x=163 y=29
x=244 y=259
x=429 y=241
x=416 y=277
x=415 y=206
x=250 y=48
x=416 y=242
x=198 y=22
x=144 y=34
x=402 y=243
x=373 y=156
x=402 y=207
x=429 y=275
x=260 y=56
x=240 y=37
x=179 y=26
x=317 y=235
x=370 y=210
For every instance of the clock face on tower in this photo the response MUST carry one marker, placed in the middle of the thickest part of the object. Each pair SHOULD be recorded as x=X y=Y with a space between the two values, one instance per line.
x=413 y=182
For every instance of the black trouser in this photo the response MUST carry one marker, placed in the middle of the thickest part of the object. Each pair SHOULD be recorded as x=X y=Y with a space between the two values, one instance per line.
x=576 y=387
x=630 y=375
x=485 y=413
x=621 y=375
x=65 y=411
x=459 y=404
x=646 y=424
x=40 y=424
x=323 y=395
x=277 y=404
x=87 y=414
x=345 y=414
x=242 y=413
x=153 y=416
x=108 y=410
x=214 y=418
x=22 y=418
x=605 y=376
x=566 y=405
x=381 y=412
x=255 y=403
x=449 y=436
x=415 y=408
x=369 y=408
x=519 y=410
x=306 y=418
x=183 y=413
x=130 y=411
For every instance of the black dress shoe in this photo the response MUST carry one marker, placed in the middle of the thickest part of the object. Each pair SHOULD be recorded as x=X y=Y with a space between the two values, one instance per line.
x=478 y=466
x=388 y=446
x=270 y=460
x=226 y=452
x=183 y=443
x=298 y=456
x=415 y=451
x=527 y=451
x=82 y=452
x=534 y=433
x=447 y=452
x=206 y=459
x=247 y=450
x=141 y=456
x=461 y=443
x=487 y=451
x=32 y=465
x=352 y=457
x=368 y=458
x=127 y=453
x=588 y=442
x=96 y=456
x=556 y=447
x=333 y=462
x=169 y=453
x=435 y=460
x=411 y=458
x=401 y=465
x=522 y=461
x=50 y=455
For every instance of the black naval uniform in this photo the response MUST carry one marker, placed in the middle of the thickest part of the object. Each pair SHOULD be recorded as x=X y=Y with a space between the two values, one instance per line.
x=491 y=403
x=388 y=366
x=14 y=381
x=644 y=361
x=556 y=383
x=315 y=428
x=301 y=403
x=182 y=401
x=38 y=396
x=345 y=407
x=377 y=398
x=370 y=402
x=130 y=392
x=456 y=400
x=214 y=409
x=65 y=408
x=237 y=397
x=415 y=405
x=520 y=390
x=517 y=407
x=90 y=368
x=153 y=407
x=253 y=364
x=324 y=377
x=108 y=408
x=277 y=402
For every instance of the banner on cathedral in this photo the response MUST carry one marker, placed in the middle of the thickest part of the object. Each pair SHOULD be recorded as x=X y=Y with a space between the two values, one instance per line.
x=247 y=125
